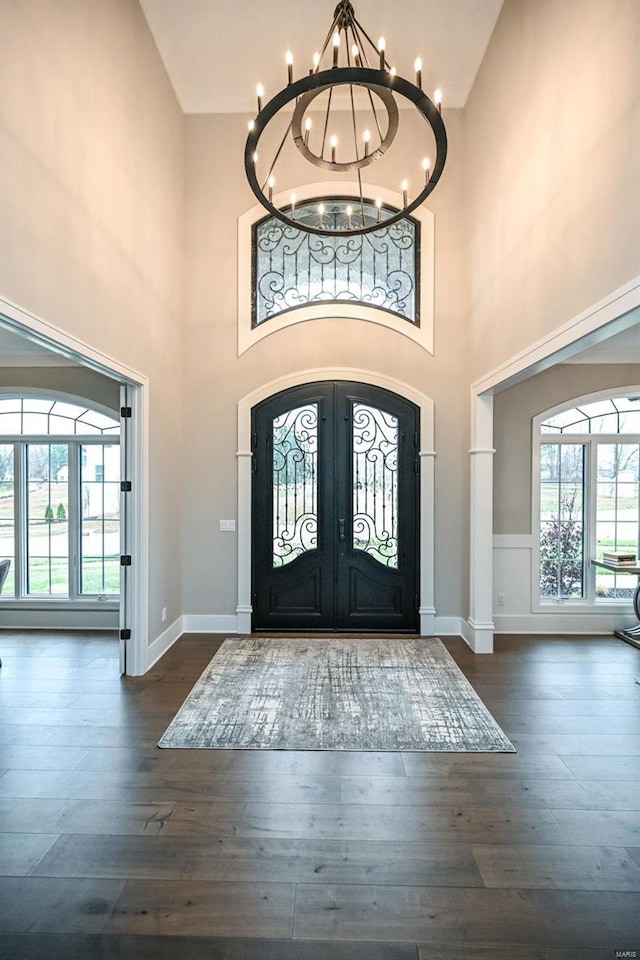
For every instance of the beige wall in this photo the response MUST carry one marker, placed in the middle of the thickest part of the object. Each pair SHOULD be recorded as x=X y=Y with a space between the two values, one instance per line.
x=513 y=412
x=91 y=215
x=80 y=381
x=215 y=378
x=552 y=169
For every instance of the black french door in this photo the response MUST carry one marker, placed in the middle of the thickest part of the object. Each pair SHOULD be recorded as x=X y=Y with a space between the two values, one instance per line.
x=335 y=510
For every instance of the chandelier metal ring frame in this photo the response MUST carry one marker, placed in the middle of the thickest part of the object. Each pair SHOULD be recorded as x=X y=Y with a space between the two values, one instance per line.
x=305 y=102
x=380 y=82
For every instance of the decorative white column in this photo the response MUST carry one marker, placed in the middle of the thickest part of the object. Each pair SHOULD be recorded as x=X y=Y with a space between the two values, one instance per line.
x=244 y=608
x=427 y=609
x=481 y=525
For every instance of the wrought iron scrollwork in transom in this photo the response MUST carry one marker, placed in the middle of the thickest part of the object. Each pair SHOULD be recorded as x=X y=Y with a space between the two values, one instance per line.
x=293 y=268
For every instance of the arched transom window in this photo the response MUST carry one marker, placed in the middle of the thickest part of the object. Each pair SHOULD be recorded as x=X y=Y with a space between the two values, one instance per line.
x=293 y=268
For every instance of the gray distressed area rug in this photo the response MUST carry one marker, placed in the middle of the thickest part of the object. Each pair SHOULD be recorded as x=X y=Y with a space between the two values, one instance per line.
x=337 y=694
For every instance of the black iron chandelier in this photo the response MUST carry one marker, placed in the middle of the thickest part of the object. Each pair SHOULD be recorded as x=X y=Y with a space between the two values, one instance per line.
x=342 y=117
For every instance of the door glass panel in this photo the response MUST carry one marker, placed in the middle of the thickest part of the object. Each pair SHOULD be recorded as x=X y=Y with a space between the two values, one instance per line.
x=47 y=515
x=375 y=483
x=100 y=540
x=295 y=483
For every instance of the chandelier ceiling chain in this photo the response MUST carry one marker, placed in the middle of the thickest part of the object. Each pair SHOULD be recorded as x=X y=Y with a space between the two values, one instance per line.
x=319 y=110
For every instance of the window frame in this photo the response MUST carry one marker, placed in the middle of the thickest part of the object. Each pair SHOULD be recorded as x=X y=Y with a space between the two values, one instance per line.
x=21 y=599
x=421 y=334
x=417 y=246
x=588 y=603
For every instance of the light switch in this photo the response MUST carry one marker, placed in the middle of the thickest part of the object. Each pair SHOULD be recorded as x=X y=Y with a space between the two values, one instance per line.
x=227 y=526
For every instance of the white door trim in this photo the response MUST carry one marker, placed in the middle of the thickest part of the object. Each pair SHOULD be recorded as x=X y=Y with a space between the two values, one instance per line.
x=34 y=328
x=427 y=480
x=612 y=314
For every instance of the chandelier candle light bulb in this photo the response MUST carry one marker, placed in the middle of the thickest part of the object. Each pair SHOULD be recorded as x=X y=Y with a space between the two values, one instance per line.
x=381 y=49
x=307 y=130
x=292 y=201
x=404 y=186
x=349 y=215
x=334 y=144
x=356 y=54
x=378 y=208
x=289 y=61
x=418 y=68
x=366 y=136
x=336 y=47
x=260 y=95
x=426 y=164
x=437 y=99
x=271 y=182
x=321 y=213
x=393 y=71
x=316 y=62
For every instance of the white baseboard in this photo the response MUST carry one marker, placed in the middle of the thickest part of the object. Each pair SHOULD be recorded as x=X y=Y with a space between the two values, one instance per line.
x=209 y=623
x=448 y=626
x=478 y=637
x=540 y=623
x=466 y=632
x=164 y=642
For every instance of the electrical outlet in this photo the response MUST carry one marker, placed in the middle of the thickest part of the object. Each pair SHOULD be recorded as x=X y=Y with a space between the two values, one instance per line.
x=164 y=614
x=227 y=526
x=502 y=600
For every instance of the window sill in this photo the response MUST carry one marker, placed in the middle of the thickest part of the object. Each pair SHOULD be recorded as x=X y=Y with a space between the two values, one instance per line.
x=47 y=603
x=579 y=606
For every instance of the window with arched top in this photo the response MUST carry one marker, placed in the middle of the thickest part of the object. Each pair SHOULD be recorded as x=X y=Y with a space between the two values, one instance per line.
x=59 y=499
x=288 y=275
x=292 y=268
x=587 y=497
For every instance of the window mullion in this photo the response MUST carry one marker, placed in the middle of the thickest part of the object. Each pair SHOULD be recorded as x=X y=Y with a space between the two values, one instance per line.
x=74 y=520
x=20 y=480
x=590 y=514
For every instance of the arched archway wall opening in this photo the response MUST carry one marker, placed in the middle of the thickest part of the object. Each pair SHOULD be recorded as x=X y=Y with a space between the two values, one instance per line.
x=244 y=455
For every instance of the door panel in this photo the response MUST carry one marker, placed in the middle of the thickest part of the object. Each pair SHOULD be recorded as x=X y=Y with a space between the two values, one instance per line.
x=335 y=510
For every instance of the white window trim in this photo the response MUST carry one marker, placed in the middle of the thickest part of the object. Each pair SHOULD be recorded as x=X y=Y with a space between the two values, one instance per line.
x=74 y=600
x=587 y=604
x=335 y=309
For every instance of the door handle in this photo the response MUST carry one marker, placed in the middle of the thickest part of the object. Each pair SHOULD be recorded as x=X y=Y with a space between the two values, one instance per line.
x=341 y=532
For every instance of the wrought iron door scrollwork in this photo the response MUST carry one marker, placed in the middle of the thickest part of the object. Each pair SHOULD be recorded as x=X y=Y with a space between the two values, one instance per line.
x=295 y=485
x=375 y=483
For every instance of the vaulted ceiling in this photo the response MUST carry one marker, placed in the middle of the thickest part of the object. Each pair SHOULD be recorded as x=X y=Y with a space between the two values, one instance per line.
x=215 y=51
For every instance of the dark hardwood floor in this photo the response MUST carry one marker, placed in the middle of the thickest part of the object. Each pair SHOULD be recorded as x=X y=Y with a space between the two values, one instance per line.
x=112 y=849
